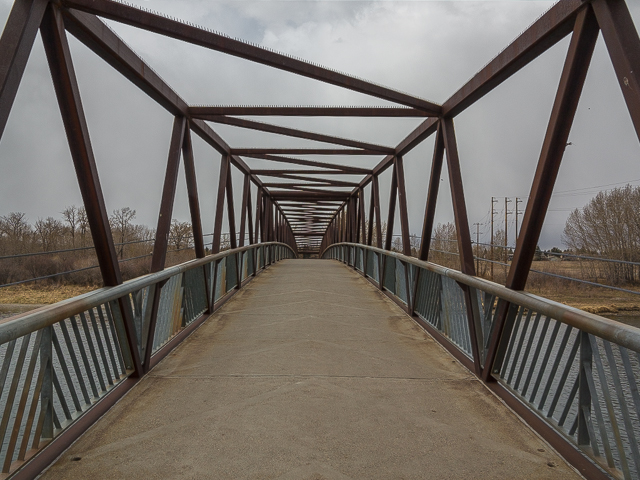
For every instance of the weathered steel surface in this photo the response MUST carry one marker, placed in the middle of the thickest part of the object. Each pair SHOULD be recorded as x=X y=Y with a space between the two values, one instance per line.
x=205 y=113
x=363 y=370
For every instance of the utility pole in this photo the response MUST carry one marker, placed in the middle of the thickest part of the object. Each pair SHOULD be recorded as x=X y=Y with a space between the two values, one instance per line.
x=517 y=212
x=493 y=201
x=506 y=237
x=477 y=253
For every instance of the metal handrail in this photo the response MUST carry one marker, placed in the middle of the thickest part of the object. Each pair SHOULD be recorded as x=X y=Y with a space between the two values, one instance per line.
x=620 y=333
x=20 y=325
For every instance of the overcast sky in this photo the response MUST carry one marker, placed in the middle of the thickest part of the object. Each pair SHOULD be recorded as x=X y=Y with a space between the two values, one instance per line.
x=426 y=48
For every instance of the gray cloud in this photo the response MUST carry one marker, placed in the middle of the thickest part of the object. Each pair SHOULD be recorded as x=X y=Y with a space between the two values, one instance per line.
x=426 y=48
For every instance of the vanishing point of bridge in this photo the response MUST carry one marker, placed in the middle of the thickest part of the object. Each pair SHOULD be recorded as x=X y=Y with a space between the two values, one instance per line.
x=365 y=362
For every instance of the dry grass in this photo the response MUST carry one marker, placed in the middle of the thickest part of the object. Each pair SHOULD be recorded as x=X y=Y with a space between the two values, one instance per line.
x=585 y=297
x=41 y=294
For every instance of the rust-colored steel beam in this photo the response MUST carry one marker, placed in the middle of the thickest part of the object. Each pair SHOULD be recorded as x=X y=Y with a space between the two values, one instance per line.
x=231 y=216
x=98 y=37
x=432 y=195
x=222 y=185
x=362 y=233
x=308 y=196
x=249 y=215
x=555 y=142
x=465 y=248
x=155 y=23
x=307 y=184
x=243 y=209
x=293 y=132
x=548 y=30
x=192 y=193
x=259 y=217
x=621 y=38
x=290 y=172
x=15 y=46
x=66 y=87
x=544 y=33
x=565 y=105
x=402 y=204
x=248 y=152
x=393 y=195
x=369 y=233
x=376 y=202
x=68 y=94
x=327 y=181
x=467 y=264
x=168 y=196
x=206 y=112
x=331 y=167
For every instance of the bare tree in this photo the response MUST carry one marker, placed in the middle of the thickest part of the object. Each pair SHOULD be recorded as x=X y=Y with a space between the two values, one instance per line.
x=72 y=218
x=83 y=225
x=122 y=226
x=48 y=232
x=608 y=226
x=444 y=246
x=180 y=235
x=15 y=232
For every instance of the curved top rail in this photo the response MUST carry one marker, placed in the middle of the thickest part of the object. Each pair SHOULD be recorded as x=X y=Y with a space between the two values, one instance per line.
x=20 y=325
x=619 y=333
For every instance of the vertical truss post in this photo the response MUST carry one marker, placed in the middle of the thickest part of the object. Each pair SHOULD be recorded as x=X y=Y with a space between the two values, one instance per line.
x=369 y=233
x=231 y=216
x=375 y=193
x=250 y=216
x=467 y=264
x=362 y=227
x=354 y=219
x=15 y=46
x=168 y=196
x=259 y=219
x=432 y=194
x=402 y=203
x=230 y=211
x=164 y=227
x=622 y=42
x=217 y=224
x=465 y=249
x=267 y=219
x=68 y=94
x=583 y=40
x=243 y=209
x=388 y=241
x=192 y=192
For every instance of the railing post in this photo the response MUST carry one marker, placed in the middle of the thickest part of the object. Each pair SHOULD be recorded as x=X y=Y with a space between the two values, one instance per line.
x=584 y=394
x=46 y=391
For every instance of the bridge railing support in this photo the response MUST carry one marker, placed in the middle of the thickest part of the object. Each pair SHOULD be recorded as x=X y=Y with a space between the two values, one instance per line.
x=573 y=376
x=62 y=366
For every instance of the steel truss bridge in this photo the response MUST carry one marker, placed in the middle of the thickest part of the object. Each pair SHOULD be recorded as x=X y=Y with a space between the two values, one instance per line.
x=572 y=376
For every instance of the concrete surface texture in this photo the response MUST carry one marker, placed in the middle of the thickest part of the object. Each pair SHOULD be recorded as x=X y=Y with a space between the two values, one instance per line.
x=310 y=372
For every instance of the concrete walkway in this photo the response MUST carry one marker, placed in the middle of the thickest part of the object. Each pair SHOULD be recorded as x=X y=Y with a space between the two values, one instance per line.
x=310 y=373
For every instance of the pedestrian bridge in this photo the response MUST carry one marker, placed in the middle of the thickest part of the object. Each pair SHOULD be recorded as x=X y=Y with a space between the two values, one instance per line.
x=259 y=365
x=310 y=372
x=367 y=362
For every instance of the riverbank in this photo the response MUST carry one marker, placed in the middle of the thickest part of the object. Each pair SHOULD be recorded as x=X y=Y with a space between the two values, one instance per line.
x=40 y=294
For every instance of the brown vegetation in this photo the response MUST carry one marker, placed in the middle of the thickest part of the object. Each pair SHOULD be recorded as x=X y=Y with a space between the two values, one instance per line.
x=70 y=243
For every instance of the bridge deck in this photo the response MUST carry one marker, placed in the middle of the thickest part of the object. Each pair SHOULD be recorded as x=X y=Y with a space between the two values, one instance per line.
x=309 y=372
